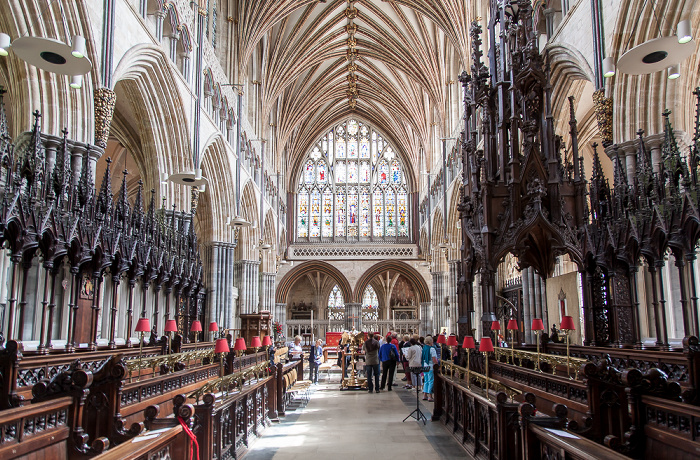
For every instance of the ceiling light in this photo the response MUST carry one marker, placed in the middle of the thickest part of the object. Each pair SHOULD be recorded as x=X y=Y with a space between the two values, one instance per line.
x=608 y=67
x=674 y=71
x=76 y=81
x=654 y=55
x=78 y=46
x=50 y=55
x=684 y=32
x=163 y=178
x=266 y=246
x=202 y=187
x=239 y=222
x=188 y=178
x=4 y=44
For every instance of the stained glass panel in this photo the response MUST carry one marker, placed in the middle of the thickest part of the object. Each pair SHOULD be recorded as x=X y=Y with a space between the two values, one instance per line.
x=402 y=200
x=315 y=227
x=340 y=172
x=378 y=213
x=383 y=173
x=370 y=299
x=340 y=148
x=395 y=172
x=352 y=127
x=390 y=221
x=352 y=212
x=365 y=223
x=340 y=213
x=364 y=149
x=335 y=298
x=327 y=230
x=352 y=172
x=303 y=214
x=364 y=172
x=309 y=172
x=321 y=174
x=352 y=149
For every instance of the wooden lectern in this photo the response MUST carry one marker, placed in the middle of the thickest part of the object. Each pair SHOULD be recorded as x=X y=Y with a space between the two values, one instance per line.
x=253 y=324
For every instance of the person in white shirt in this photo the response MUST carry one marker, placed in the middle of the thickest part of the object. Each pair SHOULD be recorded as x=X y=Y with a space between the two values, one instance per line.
x=414 y=356
x=295 y=351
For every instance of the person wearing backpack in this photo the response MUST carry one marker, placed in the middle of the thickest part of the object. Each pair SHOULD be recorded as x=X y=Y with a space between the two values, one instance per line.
x=389 y=356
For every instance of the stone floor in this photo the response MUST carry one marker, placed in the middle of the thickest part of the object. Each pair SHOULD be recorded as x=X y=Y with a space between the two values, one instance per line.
x=347 y=425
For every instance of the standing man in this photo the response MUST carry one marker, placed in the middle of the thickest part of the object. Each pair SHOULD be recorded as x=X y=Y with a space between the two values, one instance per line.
x=389 y=355
x=315 y=359
x=371 y=348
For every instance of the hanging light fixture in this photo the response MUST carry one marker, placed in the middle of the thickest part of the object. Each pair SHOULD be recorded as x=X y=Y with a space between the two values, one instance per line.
x=608 y=67
x=191 y=178
x=659 y=53
x=78 y=46
x=674 y=71
x=4 y=44
x=76 y=81
x=684 y=32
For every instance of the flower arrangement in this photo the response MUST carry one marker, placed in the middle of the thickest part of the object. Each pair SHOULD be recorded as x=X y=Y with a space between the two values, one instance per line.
x=277 y=330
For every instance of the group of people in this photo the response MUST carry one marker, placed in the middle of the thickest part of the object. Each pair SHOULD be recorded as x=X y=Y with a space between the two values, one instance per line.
x=417 y=356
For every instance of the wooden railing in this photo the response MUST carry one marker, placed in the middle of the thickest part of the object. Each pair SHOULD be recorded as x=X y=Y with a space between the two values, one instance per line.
x=468 y=377
x=36 y=431
x=171 y=443
x=20 y=373
x=486 y=428
x=572 y=365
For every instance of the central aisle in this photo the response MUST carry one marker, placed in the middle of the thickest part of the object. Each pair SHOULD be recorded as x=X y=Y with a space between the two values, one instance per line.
x=353 y=425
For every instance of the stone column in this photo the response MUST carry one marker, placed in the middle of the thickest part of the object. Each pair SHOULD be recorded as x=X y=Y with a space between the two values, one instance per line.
x=51 y=145
x=247 y=283
x=174 y=38
x=160 y=17
x=76 y=163
x=267 y=301
x=630 y=153
x=221 y=303
x=185 y=69
x=654 y=143
x=426 y=317
x=439 y=312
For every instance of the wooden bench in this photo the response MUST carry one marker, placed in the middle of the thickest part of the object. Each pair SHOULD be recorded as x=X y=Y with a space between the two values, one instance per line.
x=170 y=443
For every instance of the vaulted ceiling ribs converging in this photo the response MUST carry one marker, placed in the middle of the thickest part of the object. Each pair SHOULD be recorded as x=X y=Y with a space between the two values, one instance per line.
x=390 y=63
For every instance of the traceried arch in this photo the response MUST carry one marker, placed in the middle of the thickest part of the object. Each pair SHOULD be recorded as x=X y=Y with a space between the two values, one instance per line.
x=370 y=299
x=352 y=187
x=335 y=298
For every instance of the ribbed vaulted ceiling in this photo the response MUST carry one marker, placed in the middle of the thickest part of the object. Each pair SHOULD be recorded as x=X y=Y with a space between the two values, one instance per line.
x=388 y=62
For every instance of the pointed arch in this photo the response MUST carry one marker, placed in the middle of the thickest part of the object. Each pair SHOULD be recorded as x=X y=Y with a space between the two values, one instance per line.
x=147 y=81
x=248 y=236
x=294 y=275
x=217 y=169
x=415 y=278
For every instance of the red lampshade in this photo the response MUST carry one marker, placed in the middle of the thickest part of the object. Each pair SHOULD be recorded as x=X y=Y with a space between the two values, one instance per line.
x=255 y=342
x=537 y=324
x=213 y=327
x=221 y=346
x=266 y=341
x=452 y=340
x=144 y=325
x=196 y=326
x=171 y=325
x=468 y=342
x=512 y=325
x=486 y=344
x=496 y=326
x=567 y=323
x=441 y=338
x=240 y=344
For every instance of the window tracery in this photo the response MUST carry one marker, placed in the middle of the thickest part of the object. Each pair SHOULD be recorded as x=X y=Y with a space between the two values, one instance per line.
x=352 y=186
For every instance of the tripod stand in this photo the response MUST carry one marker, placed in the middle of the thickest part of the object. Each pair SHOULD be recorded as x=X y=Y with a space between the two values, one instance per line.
x=418 y=414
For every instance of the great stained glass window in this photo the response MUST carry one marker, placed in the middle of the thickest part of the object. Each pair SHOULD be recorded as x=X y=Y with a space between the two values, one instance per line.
x=369 y=299
x=352 y=186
